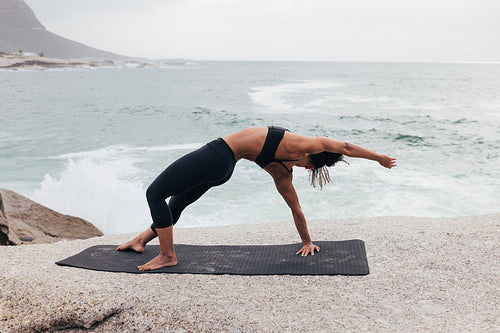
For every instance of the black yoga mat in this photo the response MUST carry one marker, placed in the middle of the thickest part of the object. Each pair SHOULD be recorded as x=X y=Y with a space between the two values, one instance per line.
x=334 y=258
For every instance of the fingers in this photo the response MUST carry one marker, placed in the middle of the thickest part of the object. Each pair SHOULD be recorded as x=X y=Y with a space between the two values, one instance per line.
x=389 y=163
x=305 y=251
x=314 y=248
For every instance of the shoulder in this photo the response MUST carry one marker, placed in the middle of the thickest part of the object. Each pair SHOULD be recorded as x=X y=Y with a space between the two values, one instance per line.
x=315 y=145
x=303 y=144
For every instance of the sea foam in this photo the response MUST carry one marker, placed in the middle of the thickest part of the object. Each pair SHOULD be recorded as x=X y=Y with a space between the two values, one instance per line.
x=276 y=98
x=104 y=186
x=98 y=193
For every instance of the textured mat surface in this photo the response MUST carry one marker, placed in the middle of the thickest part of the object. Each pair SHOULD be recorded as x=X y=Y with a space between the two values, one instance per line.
x=335 y=258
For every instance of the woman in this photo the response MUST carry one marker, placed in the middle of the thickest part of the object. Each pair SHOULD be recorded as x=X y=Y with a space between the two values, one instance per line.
x=274 y=149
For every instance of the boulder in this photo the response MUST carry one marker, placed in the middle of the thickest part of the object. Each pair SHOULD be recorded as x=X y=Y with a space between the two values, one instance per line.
x=23 y=221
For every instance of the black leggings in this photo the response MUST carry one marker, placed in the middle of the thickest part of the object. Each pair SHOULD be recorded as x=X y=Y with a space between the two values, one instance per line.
x=187 y=179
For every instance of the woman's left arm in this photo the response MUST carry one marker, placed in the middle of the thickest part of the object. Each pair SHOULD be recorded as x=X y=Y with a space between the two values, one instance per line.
x=353 y=150
x=287 y=191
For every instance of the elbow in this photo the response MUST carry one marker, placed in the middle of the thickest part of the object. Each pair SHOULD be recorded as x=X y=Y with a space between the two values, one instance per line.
x=347 y=149
x=298 y=215
x=296 y=209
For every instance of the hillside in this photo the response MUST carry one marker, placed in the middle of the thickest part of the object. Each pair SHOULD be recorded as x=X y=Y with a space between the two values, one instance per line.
x=21 y=30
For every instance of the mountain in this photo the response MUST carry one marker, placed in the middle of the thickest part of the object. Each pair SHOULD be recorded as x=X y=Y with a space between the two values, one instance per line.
x=21 y=30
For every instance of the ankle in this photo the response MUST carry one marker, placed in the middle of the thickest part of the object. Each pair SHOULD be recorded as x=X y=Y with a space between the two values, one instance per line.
x=140 y=240
x=169 y=255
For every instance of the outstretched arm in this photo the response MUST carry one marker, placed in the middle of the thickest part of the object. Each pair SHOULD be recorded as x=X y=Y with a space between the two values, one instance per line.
x=285 y=188
x=353 y=150
x=348 y=149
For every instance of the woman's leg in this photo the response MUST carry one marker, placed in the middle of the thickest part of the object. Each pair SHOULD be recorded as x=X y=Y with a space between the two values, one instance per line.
x=179 y=202
x=184 y=176
x=185 y=181
x=167 y=255
x=169 y=181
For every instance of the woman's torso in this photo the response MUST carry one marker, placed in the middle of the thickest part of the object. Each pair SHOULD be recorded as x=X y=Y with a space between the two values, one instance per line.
x=248 y=144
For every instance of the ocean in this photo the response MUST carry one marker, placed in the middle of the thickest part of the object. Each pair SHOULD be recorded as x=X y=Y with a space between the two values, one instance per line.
x=88 y=141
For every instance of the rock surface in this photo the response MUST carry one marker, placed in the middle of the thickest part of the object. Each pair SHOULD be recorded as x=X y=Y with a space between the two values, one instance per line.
x=426 y=275
x=23 y=221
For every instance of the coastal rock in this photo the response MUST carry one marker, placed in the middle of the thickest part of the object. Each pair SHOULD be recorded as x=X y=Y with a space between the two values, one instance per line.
x=426 y=275
x=9 y=61
x=23 y=221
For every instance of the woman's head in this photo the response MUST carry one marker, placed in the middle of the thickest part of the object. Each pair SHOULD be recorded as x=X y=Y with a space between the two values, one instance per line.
x=319 y=174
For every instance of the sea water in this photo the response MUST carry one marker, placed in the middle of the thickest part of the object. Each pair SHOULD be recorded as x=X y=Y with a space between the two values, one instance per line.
x=88 y=141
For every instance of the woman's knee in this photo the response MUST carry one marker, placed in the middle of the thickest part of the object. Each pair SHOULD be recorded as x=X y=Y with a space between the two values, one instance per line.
x=152 y=193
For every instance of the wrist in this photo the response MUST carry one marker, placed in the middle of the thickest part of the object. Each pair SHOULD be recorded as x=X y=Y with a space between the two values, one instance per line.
x=379 y=158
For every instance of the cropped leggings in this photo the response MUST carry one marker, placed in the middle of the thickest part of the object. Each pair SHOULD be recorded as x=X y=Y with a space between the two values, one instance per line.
x=187 y=179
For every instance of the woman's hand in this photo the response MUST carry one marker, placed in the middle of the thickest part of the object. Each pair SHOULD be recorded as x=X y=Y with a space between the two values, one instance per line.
x=308 y=248
x=386 y=161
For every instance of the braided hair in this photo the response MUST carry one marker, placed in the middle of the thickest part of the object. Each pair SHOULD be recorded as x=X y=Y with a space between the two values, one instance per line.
x=320 y=175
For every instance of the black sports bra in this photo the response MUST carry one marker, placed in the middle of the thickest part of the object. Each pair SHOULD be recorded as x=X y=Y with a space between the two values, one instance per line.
x=274 y=136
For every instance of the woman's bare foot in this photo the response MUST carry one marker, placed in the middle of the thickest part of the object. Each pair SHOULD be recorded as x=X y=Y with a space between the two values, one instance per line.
x=134 y=245
x=162 y=260
x=138 y=243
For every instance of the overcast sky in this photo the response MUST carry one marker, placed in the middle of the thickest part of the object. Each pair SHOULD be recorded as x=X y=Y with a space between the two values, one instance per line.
x=317 y=30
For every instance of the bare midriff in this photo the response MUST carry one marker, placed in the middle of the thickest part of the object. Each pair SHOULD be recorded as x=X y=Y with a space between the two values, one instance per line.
x=248 y=143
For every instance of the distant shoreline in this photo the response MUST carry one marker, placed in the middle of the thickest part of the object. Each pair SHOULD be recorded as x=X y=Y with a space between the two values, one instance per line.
x=31 y=61
x=14 y=61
